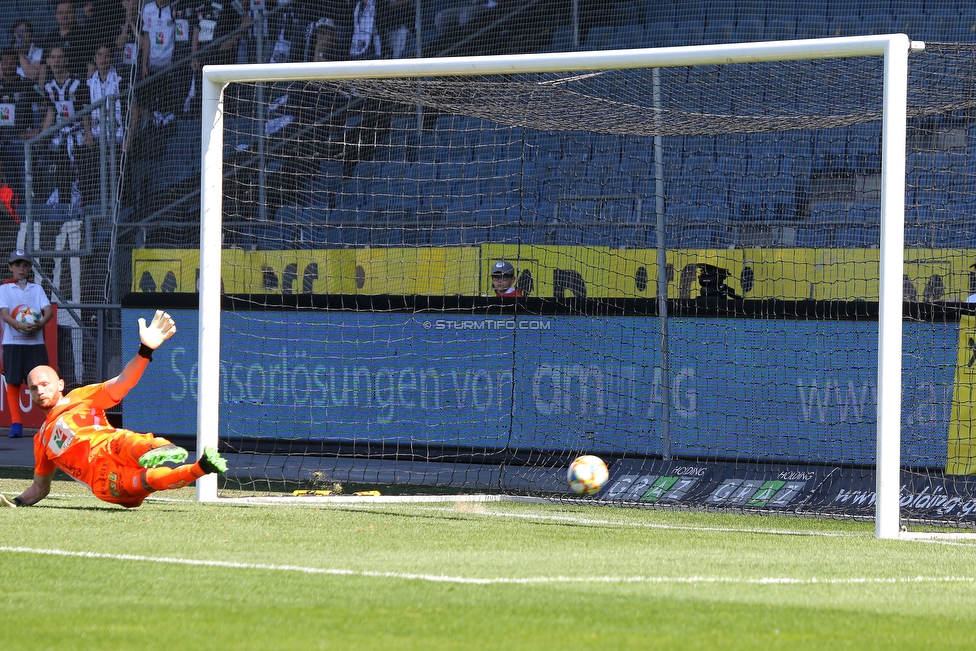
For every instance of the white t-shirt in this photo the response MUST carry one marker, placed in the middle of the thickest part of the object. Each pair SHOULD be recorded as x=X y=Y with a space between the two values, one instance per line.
x=17 y=299
x=161 y=27
x=99 y=88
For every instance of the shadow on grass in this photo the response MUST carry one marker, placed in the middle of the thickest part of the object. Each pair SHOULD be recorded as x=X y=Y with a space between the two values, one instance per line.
x=18 y=472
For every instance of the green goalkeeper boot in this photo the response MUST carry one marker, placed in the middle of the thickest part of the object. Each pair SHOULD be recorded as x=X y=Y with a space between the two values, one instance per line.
x=212 y=462
x=163 y=454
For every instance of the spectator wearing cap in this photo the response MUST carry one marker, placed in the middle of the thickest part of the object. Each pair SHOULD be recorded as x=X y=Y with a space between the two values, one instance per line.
x=25 y=311
x=503 y=280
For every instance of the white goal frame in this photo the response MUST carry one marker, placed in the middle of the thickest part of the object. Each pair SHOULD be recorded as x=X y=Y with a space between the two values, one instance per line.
x=893 y=47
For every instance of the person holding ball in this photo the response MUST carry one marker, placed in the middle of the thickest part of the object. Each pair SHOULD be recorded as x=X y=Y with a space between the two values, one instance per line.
x=119 y=466
x=25 y=310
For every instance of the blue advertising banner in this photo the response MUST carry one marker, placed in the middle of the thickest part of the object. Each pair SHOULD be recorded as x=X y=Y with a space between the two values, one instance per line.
x=794 y=391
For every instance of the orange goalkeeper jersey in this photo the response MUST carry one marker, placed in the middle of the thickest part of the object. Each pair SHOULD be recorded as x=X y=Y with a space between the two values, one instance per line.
x=76 y=432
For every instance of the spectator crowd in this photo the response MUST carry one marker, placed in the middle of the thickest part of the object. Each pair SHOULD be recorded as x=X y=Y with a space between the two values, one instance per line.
x=77 y=71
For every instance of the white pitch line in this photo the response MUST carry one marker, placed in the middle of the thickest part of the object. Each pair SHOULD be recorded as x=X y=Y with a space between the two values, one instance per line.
x=531 y=580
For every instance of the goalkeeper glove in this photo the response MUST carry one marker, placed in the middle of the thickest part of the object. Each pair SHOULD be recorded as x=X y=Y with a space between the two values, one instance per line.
x=159 y=330
x=152 y=336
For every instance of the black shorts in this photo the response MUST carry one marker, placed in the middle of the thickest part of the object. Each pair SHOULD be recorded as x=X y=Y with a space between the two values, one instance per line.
x=19 y=360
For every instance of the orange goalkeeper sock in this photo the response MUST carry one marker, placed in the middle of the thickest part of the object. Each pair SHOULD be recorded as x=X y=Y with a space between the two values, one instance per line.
x=163 y=478
x=13 y=401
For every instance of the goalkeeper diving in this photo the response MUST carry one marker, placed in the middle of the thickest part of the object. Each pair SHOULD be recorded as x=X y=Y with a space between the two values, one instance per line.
x=120 y=466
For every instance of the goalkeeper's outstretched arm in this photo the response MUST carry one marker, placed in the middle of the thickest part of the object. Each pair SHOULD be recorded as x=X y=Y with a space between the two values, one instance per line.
x=151 y=337
x=37 y=492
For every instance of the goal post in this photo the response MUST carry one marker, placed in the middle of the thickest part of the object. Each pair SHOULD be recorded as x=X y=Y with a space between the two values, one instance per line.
x=887 y=520
x=893 y=48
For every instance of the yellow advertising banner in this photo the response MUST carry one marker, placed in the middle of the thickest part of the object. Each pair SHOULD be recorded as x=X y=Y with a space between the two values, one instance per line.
x=961 y=456
x=559 y=271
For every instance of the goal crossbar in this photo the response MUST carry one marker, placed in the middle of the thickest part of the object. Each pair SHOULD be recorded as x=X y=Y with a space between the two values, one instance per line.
x=894 y=48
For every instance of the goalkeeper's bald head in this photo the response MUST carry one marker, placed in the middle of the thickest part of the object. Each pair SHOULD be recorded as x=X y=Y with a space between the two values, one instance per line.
x=46 y=387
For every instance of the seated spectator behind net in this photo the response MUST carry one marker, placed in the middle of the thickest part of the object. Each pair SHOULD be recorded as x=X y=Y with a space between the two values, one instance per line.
x=66 y=94
x=908 y=289
x=102 y=84
x=335 y=13
x=379 y=28
x=16 y=118
x=16 y=93
x=215 y=40
x=99 y=20
x=366 y=42
x=129 y=34
x=323 y=38
x=29 y=55
x=73 y=41
x=287 y=29
x=157 y=94
x=934 y=289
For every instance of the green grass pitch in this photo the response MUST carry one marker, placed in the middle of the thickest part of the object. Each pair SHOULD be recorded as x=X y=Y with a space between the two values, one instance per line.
x=79 y=574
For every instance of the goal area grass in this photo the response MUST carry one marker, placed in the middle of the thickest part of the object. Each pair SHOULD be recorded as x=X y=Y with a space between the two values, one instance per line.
x=77 y=573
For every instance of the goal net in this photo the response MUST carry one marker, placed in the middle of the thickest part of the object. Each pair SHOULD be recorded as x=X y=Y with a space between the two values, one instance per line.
x=726 y=285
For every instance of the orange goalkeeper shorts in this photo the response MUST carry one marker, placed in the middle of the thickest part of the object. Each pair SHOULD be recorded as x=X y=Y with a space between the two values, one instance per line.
x=118 y=484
